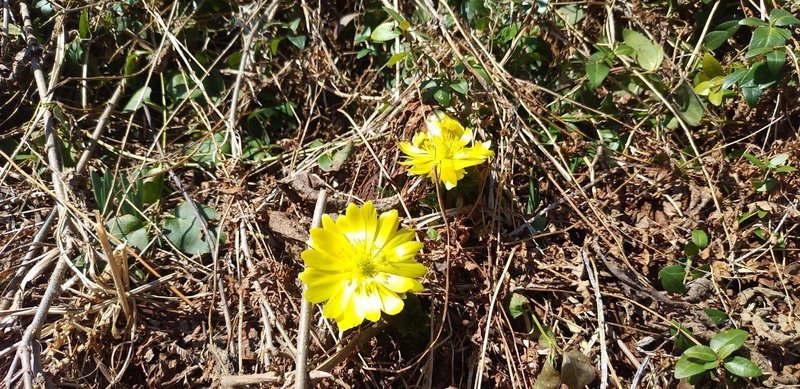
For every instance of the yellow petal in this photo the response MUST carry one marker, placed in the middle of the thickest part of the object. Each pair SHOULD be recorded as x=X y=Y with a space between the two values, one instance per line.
x=392 y=304
x=404 y=251
x=324 y=261
x=350 y=316
x=337 y=305
x=397 y=283
x=387 y=226
x=321 y=292
x=368 y=303
x=402 y=236
x=411 y=269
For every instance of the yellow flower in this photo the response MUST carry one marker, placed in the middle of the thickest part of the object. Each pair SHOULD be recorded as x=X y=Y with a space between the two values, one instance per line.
x=362 y=265
x=444 y=148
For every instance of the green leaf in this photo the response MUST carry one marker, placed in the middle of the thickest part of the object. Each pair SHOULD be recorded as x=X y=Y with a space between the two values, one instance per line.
x=549 y=377
x=753 y=22
x=329 y=163
x=690 y=108
x=766 y=36
x=103 y=188
x=775 y=60
x=432 y=234
x=211 y=150
x=726 y=342
x=395 y=15
x=152 y=185
x=646 y=53
x=442 y=96
x=723 y=32
x=778 y=160
x=742 y=367
x=83 y=24
x=460 y=86
x=733 y=78
x=596 y=72
x=129 y=229
x=782 y=18
x=534 y=196
x=518 y=305
x=688 y=367
x=298 y=40
x=396 y=58
x=185 y=231
x=691 y=249
x=755 y=161
x=136 y=101
x=672 y=278
x=715 y=97
x=700 y=239
x=711 y=67
x=701 y=352
x=680 y=339
x=384 y=32
x=572 y=13
x=716 y=315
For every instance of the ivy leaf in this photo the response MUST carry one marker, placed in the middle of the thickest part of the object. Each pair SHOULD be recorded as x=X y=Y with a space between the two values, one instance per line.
x=211 y=150
x=775 y=60
x=646 y=53
x=690 y=108
x=185 y=231
x=766 y=36
x=753 y=22
x=396 y=58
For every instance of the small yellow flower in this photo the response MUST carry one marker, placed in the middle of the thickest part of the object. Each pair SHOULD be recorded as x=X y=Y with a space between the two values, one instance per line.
x=362 y=265
x=444 y=147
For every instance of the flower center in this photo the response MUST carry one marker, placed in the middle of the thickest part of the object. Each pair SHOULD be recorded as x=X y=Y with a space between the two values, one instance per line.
x=368 y=263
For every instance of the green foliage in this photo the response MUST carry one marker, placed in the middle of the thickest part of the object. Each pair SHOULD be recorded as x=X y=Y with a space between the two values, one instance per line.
x=673 y=278
x=766 y=52
x=710 y=81
x=778 y=164
x=211 y=149
x=131 y=230
x=185 y=230
x=333 y=161
x=700 y=360
x=646 y=53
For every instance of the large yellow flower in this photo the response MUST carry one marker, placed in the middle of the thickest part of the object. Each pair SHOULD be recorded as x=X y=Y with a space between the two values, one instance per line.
x=444 y=147
x=361 y=264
